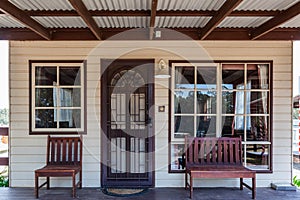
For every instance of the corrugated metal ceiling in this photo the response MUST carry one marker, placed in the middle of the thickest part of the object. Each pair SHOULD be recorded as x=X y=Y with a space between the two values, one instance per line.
x=190 y=4
x=242 y=22
x=118 y=4
x=266 y=4
x=122 y=22
x=293 y=23
x=42 y=4
x=9 y=22
x=61 y=22
x=181 y=22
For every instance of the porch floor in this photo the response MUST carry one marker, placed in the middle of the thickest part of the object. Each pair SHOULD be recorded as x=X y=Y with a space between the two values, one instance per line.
x=153 y=194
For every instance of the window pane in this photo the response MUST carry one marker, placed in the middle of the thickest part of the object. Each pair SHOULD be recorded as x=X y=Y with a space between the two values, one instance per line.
x=45 y=76
x=70 y=97
x=259 y=128
x=184 y=102
x=69 y=75
x=184 y=125
x=206 y=126
x=228 y=102
x=232 y=76
x=258 y=76
x=206 y=102
x=227 y=124
x=257 y=156
x=45 y=118
x=184 y=77
x=70 y=118
x=44 y=97
x=206 y=78
x=177 y=161
x=258 y=102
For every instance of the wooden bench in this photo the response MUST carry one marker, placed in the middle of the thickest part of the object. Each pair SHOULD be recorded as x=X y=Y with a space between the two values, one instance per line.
x=216 y=158
x=64 y=158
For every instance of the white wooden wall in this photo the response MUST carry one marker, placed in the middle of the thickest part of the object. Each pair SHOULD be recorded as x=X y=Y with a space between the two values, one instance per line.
x=27 y=152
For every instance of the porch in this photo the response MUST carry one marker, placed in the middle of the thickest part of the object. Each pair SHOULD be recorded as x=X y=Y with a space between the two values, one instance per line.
x=156 y=193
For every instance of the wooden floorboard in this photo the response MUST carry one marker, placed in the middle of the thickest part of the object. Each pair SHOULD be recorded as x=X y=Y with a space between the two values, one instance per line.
x=151 y=194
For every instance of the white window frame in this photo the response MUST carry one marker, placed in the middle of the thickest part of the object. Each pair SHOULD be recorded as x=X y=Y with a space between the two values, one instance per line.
x=219 y=114
x=82 y=88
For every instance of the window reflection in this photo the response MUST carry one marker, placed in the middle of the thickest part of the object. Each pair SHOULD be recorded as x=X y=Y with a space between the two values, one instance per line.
x=258 y=76
x=44 y=97
x=45 y=118
x=184 y=101
x=206 y=102
x=70 y=118
x=69 y=75
x=184 y=77
x=206 y=78
x=45 y=76
x=70 y=97
x=184 y=125
x=257 y=156
x=232 y=76
x=206 y=126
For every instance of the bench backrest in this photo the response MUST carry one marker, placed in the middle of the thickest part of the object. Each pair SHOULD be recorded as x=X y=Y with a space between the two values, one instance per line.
x=213 y=151
x=64 y=151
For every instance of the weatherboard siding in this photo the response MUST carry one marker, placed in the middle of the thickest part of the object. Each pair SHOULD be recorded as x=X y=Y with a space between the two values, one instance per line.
x=27 y=152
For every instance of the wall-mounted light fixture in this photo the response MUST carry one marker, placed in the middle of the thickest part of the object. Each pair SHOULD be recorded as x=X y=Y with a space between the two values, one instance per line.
x=163 y=70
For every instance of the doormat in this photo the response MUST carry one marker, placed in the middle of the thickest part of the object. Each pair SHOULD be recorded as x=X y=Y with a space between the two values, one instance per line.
x=124 y=192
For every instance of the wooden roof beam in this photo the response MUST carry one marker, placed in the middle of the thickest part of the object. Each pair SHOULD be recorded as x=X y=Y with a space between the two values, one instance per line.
x=152 y=18
x=147 y=13
x=81 y=9
x=223 y=12
x=24 y=18
x=276 y=21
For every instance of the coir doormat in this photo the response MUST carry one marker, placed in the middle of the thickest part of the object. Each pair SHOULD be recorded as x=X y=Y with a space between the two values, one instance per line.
x=124 y=192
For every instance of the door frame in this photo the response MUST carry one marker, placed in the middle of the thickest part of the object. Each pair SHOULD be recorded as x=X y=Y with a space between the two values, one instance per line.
x=104 y=68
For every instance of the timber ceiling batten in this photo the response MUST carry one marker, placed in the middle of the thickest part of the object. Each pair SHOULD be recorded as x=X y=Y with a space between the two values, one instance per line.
x=152 y=18
x=24 y=18
x=86 y=16
x=276 y=21
x=223 y=12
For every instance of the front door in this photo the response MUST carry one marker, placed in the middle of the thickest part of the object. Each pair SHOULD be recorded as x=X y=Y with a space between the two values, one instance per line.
x=127 y=131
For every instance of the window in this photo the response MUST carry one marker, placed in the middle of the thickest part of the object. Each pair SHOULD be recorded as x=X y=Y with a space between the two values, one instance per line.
x=57 y=92
x=222 y=99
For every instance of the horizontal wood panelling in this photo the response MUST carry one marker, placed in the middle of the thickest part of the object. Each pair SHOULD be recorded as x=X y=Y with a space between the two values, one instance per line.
x=24 y=146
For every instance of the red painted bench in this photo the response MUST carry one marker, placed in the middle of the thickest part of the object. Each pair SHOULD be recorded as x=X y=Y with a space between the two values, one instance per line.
x=216 y=158
x=64 y=158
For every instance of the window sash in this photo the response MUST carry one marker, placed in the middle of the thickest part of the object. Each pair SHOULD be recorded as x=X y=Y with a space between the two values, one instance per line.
x=265 y=90
x=57 y=108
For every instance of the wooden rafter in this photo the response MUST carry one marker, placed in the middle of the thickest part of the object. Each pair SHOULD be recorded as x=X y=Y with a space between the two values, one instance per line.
x=24 y=18
x=223 y=12
x=81 y=9
x=276 y=21
x=152 y=18
x=142 y=34
x=146 y=13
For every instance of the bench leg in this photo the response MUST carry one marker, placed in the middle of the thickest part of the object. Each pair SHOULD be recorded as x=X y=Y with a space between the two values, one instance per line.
x=241 y=183
x=80 y=179
x=74 y=185
x=191 y=186
x=36 y=188
x=186 y=180
x=253 y=188
x=48 y=182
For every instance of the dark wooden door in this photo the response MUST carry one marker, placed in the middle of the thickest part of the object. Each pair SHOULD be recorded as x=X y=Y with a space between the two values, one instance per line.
x=127 y=102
